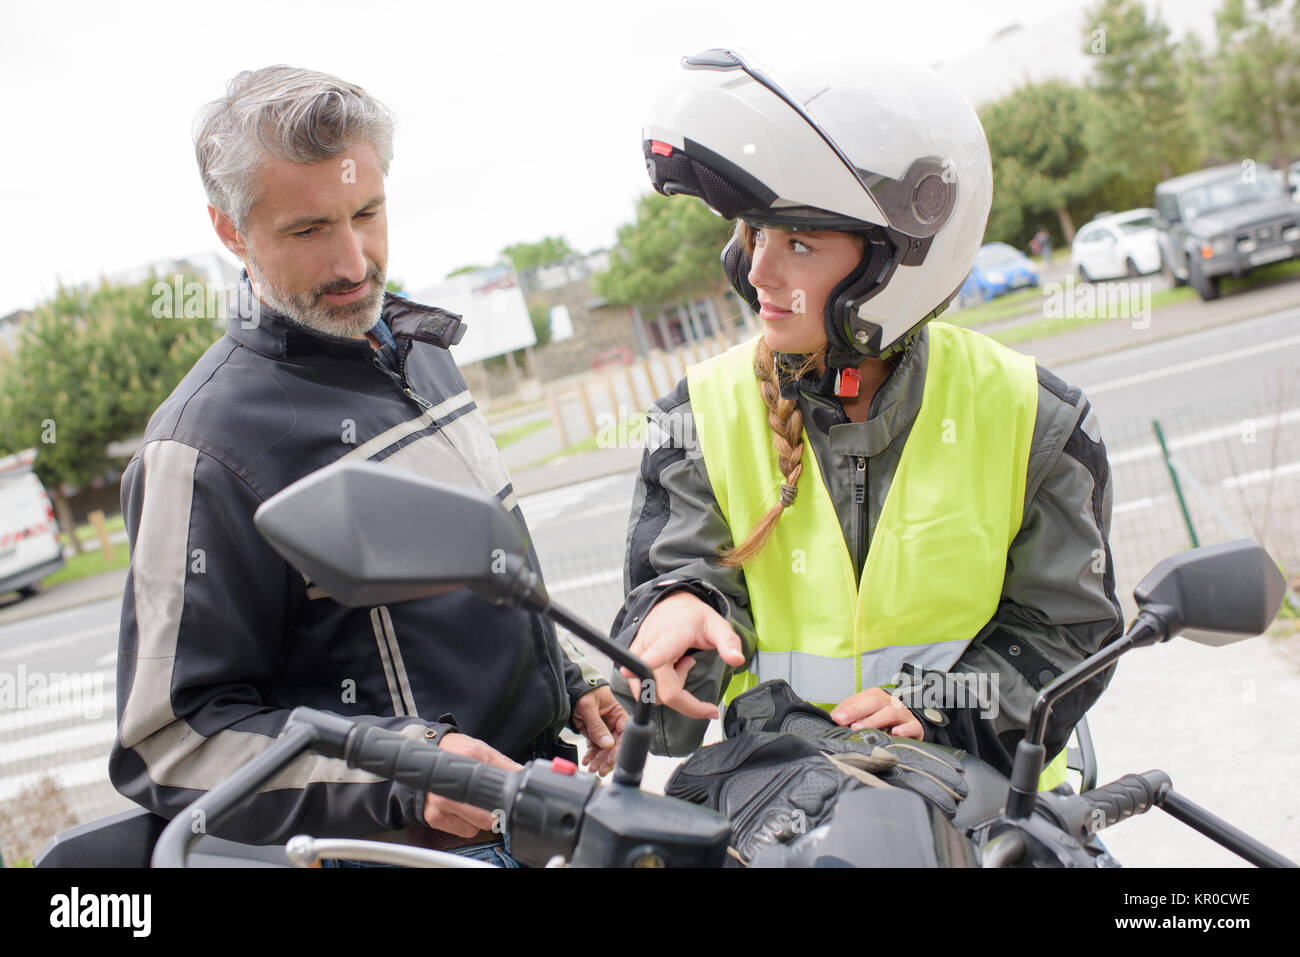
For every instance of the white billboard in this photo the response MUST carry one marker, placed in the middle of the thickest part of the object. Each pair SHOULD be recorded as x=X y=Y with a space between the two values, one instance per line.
x=493 y=307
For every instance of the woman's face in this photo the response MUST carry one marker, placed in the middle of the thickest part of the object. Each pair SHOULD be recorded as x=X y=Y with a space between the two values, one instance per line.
x=794 y=273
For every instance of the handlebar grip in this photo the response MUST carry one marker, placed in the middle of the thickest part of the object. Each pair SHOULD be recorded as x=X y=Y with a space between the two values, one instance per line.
x=427 y=767
x=1131 y=794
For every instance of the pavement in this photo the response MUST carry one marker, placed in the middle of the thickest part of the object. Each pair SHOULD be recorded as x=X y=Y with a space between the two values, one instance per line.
x=1062 y=349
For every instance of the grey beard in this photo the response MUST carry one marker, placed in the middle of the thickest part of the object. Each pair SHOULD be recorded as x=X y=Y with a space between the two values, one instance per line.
x=347 y=321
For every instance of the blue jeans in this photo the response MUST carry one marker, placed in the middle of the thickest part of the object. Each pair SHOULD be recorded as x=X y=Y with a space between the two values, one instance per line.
x=496 y=853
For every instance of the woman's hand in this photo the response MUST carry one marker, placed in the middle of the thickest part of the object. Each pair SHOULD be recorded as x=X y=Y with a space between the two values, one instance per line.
x=877 y=708
x=675 y=625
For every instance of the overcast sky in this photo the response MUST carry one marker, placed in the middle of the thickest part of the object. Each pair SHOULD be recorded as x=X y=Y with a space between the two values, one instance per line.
x=515 y=119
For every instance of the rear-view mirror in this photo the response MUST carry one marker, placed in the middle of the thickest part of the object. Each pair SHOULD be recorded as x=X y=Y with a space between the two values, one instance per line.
x=370 y=535
x=1218 y=594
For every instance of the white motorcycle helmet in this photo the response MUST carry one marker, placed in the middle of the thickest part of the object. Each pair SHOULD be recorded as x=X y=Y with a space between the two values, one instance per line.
x=861 y=144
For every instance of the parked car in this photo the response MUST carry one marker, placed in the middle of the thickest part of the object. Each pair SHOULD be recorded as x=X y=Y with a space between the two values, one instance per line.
x=998 y=269
x=1293 y=181
x=1219 y=222
x=1116 y=244
x=30 y=548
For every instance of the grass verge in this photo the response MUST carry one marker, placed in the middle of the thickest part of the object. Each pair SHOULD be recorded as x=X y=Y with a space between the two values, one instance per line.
x=629 y=431
x=86 y=532
x=513 y=435
x=91 y=563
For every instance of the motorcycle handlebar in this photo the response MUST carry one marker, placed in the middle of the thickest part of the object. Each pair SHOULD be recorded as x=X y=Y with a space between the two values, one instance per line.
x=1131 y=794
x=426 y=767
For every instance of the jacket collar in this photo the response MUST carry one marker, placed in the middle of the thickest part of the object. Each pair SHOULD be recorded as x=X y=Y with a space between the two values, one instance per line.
x=256 y=325
x=893 y=409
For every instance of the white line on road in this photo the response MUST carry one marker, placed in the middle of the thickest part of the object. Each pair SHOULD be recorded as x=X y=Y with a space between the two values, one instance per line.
x=92 y=771
x=586 y=581
x=1232 y=430
x=1134 y=506
x=53 y=742
x=1260 y=475
x=572 y=492
x=1126 y=381
x=47 y=644
x=557 y=515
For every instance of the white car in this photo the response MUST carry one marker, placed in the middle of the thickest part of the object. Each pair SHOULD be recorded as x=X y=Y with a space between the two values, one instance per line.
x=1115 y=245
x=29 y=536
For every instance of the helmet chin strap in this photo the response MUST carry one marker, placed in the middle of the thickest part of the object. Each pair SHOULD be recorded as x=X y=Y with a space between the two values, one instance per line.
x=842 y=351
x=842 y=354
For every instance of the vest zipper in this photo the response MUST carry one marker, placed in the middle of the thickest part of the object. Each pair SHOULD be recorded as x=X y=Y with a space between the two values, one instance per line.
x=859 y=513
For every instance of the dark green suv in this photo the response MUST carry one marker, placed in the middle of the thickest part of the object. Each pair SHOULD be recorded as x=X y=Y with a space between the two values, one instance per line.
x=1224 y=221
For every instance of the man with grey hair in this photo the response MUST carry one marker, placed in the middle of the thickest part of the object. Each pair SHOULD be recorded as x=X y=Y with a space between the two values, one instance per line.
x=220 y=637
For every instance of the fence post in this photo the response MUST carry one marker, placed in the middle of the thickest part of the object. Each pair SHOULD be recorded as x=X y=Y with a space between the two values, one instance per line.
x=557 y=416
x=1178 y=489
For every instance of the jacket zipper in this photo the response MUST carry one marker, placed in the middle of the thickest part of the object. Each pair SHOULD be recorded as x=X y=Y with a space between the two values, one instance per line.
x=400 y=382
x=859 y=513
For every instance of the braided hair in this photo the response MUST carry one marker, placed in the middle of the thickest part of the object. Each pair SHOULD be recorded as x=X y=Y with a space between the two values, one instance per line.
x=786 y=420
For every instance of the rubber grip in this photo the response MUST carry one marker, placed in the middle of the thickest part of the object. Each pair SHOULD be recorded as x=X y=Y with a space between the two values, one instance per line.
x=426 y=767
x=1131 y=794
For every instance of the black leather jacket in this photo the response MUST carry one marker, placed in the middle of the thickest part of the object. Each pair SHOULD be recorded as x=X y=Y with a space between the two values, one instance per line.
x=220 y=637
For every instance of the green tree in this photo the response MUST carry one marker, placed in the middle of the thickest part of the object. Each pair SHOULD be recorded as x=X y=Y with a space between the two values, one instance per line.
x=670 y=253
x=541 y=317
x=90 y=368
x=1255 y=103
x=464 y=269
x=541 y=253
x=1142 y=130
x=1040 y=158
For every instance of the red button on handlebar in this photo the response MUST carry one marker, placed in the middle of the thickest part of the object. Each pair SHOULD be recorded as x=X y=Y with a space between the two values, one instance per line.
x=563 y=766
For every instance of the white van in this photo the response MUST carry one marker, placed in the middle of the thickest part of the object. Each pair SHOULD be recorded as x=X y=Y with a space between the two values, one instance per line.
x=29 y=535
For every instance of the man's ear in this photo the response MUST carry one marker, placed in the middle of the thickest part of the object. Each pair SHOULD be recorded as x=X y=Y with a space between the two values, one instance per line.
x=230 y=237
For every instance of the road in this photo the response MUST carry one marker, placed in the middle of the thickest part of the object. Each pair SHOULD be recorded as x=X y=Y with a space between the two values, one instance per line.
x=1221 y=721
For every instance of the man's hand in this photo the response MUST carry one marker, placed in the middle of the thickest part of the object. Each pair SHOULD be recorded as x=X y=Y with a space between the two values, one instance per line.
x=674 y=626
x=464 y=820
x=877 y=708
x=601 y=719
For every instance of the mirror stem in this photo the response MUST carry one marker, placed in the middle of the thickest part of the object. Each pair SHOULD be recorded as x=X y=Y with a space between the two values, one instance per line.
x=1031 y=755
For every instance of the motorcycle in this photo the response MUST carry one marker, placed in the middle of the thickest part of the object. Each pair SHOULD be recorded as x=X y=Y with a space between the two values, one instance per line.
x=439 y=537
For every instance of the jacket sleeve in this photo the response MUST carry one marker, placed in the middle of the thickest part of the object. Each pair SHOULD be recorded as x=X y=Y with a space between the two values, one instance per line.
x=204 y=617
x=674 y=533
x=1058 y=602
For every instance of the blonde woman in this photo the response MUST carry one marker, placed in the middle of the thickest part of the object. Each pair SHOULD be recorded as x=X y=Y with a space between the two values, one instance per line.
x=904 y=520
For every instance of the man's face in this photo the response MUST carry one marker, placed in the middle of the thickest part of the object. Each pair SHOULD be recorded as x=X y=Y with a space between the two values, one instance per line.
x=316 y=241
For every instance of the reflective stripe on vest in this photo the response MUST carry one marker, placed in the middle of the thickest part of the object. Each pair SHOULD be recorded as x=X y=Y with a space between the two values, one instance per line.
x=934 y=569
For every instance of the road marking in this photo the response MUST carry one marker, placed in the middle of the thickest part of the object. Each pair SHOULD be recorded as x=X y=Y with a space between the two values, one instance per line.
x=1260 y=475
x=92 y=704
x=1233 y=430
x=1126 y=381
x=46 y=644
x=92 y=771
x=586 y=581
x=55 y=742
x=556 y=516
x=1133 y=506
x=573 y=492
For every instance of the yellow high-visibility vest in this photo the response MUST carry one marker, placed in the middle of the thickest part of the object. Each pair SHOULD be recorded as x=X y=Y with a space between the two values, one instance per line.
x=935 y=566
